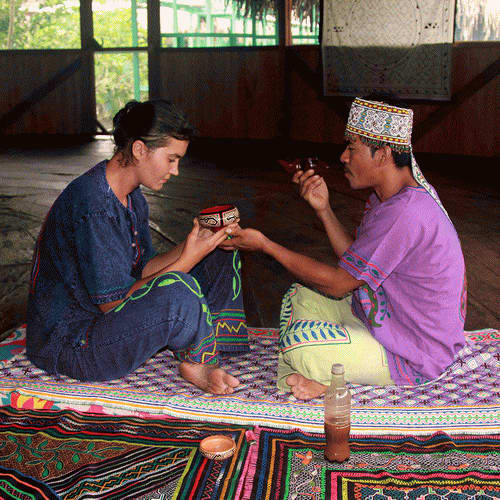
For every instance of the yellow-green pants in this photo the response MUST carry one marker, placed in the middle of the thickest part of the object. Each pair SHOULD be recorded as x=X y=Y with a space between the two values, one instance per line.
x=317 y=331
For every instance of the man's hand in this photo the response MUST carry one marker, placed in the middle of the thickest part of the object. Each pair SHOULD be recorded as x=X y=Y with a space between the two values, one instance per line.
x=313 y=189
x=243 y=239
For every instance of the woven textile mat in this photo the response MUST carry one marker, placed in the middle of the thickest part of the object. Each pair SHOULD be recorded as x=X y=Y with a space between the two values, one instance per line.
x=465 y=399
x=290 y=464
x=98 y=456
x=15 y=485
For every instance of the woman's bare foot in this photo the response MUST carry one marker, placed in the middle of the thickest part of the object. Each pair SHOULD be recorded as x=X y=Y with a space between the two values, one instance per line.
x=208 y=378
x=304 y=388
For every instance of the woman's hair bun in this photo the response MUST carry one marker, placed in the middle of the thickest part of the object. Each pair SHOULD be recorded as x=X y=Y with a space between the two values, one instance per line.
x=152 y=122
x=124 y=112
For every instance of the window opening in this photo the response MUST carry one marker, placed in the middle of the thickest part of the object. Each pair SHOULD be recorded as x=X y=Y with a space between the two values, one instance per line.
x=120 y=23
x=214 y=23
x=477 y=20
x=119 y=77
x=45 y=24
x=305 y=25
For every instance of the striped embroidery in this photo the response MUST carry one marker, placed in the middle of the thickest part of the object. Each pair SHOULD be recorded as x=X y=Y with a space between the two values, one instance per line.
x=365 y=268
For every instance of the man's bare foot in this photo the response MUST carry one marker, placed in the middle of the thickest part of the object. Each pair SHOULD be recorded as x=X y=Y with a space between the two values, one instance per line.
x=304 y=388
x=208 y=378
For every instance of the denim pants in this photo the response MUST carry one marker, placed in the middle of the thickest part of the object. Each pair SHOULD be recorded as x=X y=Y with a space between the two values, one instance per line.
x=194 y=314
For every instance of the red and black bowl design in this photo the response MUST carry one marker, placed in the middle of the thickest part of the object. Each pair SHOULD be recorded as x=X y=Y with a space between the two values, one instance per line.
x=217 y=217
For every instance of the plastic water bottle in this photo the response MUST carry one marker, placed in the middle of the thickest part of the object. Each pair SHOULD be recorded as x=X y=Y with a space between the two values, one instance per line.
x=337 y=417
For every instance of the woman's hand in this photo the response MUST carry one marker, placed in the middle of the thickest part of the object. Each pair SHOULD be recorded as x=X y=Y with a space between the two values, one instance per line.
x=199 y=243
x=313 y=189
x=243 y=239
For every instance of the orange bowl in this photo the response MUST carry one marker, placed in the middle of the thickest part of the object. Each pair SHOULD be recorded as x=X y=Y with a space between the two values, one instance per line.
x=217 y=217
x=217 y=447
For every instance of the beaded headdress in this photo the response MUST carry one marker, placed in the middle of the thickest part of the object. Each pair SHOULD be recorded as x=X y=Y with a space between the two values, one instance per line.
x=379 y=124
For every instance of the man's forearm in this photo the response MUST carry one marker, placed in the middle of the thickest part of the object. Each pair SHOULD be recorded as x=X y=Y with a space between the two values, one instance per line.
x=325 y=278
x=339 y=238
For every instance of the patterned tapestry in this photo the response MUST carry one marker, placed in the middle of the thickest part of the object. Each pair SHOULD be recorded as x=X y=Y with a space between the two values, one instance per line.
x=289 y=464
x=397 y=46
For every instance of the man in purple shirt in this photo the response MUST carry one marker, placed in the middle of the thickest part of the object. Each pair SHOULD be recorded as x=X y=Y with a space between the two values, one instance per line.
x=393 y=310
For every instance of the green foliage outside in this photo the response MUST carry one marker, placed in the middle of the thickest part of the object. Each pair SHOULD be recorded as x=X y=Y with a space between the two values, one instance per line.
x=113 y=28
x=53 y=25
x=119 y=76
x=114 y=79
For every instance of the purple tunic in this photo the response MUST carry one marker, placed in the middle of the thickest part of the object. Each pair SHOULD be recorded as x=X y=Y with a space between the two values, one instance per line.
x=408 y=253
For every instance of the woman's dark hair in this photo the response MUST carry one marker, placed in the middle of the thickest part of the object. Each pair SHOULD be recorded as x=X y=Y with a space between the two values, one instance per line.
x=401 y=159
x=153 y=122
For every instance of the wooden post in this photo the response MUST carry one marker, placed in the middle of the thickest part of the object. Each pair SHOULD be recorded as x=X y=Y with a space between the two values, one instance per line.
x=154 y=45
x=285 y=22
x=89 y=113
x=285 y=39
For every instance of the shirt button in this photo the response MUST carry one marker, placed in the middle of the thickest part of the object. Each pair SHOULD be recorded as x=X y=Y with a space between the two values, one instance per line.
x=133 y=244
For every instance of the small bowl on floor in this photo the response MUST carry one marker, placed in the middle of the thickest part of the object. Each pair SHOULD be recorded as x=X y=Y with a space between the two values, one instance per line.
x=215 y=218
x=217 y=447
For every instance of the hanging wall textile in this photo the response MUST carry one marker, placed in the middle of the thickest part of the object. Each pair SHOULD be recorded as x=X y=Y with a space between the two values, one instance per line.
x=92 y=456
x=290 y=464
x=397 y=46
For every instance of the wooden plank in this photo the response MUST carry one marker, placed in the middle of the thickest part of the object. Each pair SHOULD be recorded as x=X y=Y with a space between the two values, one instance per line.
x=476 y=84
x=226 y=93
x=284 y=11
x=39 y=93
x=89 y=112
x=154 y=45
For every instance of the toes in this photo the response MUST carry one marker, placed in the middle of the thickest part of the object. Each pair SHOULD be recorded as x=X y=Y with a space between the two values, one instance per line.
x=233 y=382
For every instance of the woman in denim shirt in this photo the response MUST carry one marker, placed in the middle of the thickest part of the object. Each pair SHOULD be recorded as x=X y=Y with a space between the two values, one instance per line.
x=101 y=301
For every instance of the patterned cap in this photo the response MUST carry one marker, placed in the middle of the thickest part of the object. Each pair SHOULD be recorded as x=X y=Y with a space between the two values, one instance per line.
x=379 y=124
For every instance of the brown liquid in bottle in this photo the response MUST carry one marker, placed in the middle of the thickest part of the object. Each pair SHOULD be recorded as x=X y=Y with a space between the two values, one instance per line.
x=337 y=442
x=337 y=403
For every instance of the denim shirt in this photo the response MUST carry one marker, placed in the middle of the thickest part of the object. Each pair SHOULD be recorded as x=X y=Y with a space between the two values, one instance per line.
x=90 y=251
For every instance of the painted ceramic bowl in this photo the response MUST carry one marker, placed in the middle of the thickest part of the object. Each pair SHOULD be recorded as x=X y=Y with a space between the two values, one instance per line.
x=217 y=447
x=217 y=217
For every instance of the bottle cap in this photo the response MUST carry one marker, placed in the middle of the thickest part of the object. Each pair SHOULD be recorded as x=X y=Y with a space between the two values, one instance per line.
x=337 y=369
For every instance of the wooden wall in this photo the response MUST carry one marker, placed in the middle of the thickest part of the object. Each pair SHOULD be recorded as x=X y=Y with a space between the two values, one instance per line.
x=251 y=93
x=227 y=93
x=28 y=75
x=260 y=94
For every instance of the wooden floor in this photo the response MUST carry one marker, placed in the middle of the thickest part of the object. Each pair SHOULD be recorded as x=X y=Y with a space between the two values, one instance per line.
x=247 y=175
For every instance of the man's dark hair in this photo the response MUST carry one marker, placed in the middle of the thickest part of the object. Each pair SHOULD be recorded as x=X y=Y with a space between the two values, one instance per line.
x=401 y=159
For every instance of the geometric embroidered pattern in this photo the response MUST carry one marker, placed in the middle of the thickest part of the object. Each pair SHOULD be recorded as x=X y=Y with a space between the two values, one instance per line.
x=398 y=46
x=291 y=464
x=98 y=456
x=465 y=399
x=381 y=122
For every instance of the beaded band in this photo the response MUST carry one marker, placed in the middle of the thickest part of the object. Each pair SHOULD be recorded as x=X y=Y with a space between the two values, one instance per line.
x=379 y=124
